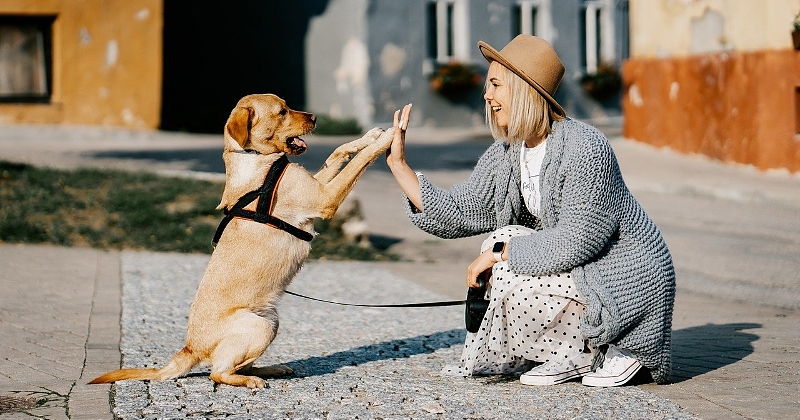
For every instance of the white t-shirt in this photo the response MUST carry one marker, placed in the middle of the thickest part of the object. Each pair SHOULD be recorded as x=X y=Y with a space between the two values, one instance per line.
x=530 y=159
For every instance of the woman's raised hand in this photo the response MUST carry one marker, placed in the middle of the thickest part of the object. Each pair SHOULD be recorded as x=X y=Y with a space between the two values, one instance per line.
x=396 y=155
x=396 y=159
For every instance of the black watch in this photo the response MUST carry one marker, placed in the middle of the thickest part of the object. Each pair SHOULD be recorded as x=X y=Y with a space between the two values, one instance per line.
x=497 y=250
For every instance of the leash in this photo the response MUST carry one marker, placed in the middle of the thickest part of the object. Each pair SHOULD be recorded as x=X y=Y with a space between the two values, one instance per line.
x=387 y=305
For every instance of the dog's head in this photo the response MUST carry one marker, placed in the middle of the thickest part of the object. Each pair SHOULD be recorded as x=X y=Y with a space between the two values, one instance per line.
x=263 y=123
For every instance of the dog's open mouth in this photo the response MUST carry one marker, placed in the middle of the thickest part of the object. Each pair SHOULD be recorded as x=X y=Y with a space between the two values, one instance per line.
x=297 y=145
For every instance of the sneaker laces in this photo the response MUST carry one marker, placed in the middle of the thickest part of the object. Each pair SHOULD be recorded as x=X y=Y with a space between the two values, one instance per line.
x=615 y=356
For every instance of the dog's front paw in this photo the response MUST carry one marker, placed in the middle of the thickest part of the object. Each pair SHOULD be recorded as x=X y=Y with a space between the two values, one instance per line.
x=374 y=133
x=385 y=139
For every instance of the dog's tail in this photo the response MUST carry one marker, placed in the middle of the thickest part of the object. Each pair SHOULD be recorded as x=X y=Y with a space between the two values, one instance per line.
x=180 y=364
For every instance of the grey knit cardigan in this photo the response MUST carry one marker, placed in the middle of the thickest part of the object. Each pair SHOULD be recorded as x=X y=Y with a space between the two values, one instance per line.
x=591 y=225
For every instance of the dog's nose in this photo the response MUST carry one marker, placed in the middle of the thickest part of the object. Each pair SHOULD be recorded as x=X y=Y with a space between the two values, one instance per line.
x=313 y=118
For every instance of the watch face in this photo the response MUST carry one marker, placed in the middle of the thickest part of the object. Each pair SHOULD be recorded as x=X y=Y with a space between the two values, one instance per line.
x=498 y=246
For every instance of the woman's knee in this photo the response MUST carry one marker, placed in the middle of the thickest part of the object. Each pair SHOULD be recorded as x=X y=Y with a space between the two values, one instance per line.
x=504 y=234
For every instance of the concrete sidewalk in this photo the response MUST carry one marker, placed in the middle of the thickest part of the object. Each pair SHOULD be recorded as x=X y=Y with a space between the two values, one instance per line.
x=733 y=233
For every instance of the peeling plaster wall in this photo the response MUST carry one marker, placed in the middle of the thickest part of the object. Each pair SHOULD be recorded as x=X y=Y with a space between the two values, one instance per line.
x=388 y=40
x=107 y=63
x=338 y=62
x=717 y=78
x=666 y=28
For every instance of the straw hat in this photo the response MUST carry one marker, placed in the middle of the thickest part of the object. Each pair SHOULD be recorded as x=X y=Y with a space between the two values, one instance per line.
x=532 y=59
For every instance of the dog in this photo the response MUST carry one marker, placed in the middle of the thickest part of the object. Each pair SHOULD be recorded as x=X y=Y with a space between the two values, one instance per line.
x=233 y=318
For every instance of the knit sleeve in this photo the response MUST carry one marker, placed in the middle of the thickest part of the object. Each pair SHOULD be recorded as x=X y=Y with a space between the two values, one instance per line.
x=589 y=187
x=466 y=209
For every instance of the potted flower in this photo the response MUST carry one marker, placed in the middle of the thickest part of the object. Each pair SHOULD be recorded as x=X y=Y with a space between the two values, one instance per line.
x=455 y=80
x=796 y=32
x=603 y=83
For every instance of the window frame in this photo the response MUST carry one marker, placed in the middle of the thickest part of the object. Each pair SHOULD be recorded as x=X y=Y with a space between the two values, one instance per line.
x=44 y=25
x=448 y=31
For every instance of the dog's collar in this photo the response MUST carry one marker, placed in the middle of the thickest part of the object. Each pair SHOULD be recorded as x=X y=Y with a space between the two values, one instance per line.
x=263 y=214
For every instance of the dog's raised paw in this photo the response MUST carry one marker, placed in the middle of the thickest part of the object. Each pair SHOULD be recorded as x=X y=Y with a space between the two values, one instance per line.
x=374 y=133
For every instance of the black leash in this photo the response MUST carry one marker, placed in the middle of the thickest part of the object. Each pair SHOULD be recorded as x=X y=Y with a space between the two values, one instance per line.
x=388 y=305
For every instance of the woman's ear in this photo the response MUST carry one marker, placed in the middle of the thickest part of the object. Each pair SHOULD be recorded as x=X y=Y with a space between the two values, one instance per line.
x=239 y=124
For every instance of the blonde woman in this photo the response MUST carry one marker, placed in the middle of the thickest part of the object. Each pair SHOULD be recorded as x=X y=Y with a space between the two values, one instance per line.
x=581 y=283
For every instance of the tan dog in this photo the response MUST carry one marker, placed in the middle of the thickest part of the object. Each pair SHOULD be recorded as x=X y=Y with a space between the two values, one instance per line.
x=233 y=318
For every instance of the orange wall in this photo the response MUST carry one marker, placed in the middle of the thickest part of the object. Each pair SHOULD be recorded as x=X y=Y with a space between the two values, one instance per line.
x=107 y=63
x=734 y=107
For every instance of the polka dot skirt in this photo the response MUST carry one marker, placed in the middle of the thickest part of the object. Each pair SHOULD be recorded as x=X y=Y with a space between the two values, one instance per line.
x=531 y=319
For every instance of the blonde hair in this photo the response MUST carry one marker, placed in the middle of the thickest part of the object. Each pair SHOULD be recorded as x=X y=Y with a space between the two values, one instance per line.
x=529 y=113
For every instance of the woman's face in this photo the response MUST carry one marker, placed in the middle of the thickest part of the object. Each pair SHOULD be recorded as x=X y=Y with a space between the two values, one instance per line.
x=498 y=94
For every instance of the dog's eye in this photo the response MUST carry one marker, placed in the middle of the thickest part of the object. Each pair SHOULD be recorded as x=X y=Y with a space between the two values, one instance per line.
x=282 y=111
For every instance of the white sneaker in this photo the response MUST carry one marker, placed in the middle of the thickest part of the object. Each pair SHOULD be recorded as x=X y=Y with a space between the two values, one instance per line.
x=618 y=368
x=558 y=371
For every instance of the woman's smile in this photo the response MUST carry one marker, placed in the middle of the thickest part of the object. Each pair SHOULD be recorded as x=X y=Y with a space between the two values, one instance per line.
x=497 y=94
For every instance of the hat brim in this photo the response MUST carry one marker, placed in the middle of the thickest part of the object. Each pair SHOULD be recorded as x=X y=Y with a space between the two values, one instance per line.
x=491 y=54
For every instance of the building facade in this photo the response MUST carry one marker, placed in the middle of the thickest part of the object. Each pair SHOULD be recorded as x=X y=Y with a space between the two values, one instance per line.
x=367 y=58
x=716 y=77
x=183 y=64
x=81 y=62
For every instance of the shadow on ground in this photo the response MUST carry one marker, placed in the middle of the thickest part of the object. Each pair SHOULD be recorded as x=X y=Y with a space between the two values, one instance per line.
x=460 y=156
x=401 y=348
x=705 y=348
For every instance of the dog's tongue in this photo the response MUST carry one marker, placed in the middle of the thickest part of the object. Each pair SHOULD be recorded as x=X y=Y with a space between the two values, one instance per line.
x=298 y=145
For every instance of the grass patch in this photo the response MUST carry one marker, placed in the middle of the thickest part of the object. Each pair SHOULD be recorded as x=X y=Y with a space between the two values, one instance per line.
x=330 y=126
x=112 y=209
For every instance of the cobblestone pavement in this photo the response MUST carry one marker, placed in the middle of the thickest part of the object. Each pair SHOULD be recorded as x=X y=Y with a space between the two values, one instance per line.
x=349 y=362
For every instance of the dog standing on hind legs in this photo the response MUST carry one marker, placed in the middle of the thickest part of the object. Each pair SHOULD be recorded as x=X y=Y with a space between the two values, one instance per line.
x=233 y=317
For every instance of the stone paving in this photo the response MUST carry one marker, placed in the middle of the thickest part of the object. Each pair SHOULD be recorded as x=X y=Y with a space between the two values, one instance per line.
x=349 y=362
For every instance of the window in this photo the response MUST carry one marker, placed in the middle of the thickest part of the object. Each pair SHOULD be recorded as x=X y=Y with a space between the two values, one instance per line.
x=597 y=33
x=448 y=35
x=532 y=17
x=25 y=58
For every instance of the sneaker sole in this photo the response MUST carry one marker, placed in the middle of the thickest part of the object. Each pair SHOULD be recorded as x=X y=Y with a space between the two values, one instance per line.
x=556 y=378
x=607 y=381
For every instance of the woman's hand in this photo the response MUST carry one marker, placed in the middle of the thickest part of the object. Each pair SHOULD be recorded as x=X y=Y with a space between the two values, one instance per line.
x=396 y=155
x=482 y=266
x=396 y=159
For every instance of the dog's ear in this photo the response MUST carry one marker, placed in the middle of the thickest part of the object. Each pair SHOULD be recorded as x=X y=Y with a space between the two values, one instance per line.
x=239 y=124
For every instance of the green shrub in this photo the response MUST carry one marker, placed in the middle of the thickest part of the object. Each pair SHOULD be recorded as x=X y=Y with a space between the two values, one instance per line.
x=336 y=127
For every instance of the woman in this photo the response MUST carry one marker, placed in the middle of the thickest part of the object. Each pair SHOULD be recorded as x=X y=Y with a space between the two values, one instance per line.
x=581 y=281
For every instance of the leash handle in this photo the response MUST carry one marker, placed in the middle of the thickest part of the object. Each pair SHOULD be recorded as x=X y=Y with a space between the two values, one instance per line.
x=388 y=305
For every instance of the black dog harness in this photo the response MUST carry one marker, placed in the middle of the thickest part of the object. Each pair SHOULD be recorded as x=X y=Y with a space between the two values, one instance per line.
x=263 y=214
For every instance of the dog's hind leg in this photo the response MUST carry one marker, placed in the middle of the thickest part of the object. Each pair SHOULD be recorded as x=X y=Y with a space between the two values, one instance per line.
x=247 y=337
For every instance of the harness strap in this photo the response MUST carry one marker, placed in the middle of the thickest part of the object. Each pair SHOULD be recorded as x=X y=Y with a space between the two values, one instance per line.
x=263 y=214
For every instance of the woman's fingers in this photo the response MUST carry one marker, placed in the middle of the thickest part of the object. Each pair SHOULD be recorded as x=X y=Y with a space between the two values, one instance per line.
x=483 y=263
x=406 y=113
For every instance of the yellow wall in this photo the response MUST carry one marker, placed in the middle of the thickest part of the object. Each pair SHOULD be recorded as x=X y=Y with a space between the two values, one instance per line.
x=107 y=63
x=664 y=28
